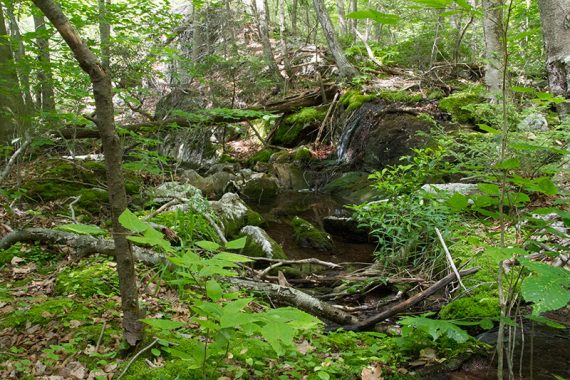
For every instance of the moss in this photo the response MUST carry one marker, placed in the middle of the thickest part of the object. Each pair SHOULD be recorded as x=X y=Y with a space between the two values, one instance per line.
x=92 y=276
x=302 y=153
x=290 y=130
x=353 y=99
x=262 y=156
x=399 y=96
x=472 y=308
x=261 y=189
x=260 y=244
x=457 y=104
x=253 y=218
x=45 y=311
x=308 y=236
x=93 y=200
x=435 y=94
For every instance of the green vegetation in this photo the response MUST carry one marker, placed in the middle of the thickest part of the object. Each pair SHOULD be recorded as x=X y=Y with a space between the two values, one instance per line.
x=306 y=235
x=93 y=276
x=353 y=99
x=289 y=133
x=462 y=105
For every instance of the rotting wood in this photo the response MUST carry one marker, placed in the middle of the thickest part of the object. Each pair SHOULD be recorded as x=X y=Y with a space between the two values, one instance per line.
x=398 y=308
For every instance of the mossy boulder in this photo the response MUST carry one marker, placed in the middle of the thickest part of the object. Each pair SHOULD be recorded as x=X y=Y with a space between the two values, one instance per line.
x=261 y=156
x=297 y=126
x=235 y=214
x=354 y=99
x=290 y=176
x=475 y=307
x=260 y=188
x=260 y=244
x=96 y=275
x=352 y=187
x=460 y=105
x=400 y=96
x=170 y=190
x=308 y=236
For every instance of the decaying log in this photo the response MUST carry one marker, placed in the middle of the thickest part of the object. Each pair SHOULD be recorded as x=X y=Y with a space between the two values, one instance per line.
x=297 y=298
x=398 y=308
x=308 y=98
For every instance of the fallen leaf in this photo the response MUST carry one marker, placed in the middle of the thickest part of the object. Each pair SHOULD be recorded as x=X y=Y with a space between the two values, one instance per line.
x=372 y=372
x=16 y=260
x=74 y=324
x=304 y=347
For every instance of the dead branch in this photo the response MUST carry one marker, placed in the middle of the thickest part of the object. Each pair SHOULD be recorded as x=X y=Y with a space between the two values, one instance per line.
x=297 y=298
x=13 y=159
x=398 y=308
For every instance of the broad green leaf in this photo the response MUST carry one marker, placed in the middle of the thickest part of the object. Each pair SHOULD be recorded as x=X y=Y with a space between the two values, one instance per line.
x=509 y=163
x=131 y=222
x=232 y=257
x=379 y=17
x=278 y=335
x=488 y=129
x=294 y=317
x=155 y=352
x=489 y=188
x=208 y=245
x=499 y=254
x=458 y=201
x=436 y=328
x=163 y=324
x=236 y=244
x=213 y=290
x=82 y=229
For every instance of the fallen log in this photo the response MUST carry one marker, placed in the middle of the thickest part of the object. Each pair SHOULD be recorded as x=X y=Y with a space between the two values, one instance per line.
x=308 y=98
x=399 y=307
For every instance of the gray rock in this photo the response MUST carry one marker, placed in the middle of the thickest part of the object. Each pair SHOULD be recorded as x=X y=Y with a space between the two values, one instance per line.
x=235 y=214
x=534 y=122
x=460 y=188
x=260 y=244
x=260 y=188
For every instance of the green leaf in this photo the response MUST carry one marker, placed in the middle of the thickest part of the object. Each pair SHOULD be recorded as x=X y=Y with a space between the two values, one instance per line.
x=509 y=163
x=458 y=201
x=499 y=254
x=213 y=290
x=232 y=257
x=489 y=188
x=208 y=245
x=82 y=229
x=131 y=222
x=155 y=352
x=237 y=243
x=278 y=335
x=488 y=129
x=436 y=328
x=547 y=287
x=163 y=324
x=379 y=17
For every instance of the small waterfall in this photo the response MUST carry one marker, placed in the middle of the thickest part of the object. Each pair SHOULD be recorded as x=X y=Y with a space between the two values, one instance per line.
x=352 y=124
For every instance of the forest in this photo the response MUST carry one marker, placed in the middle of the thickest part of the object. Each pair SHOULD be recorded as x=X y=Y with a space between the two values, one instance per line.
x=284 y=189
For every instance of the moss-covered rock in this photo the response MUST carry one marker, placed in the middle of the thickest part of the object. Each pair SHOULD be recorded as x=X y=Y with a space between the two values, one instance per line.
x=235 y=214
x=399 y=96
x=261 y=188
x=302 y=154
x=96 y=275
x=290 y=131
x=353 y=99
x=261 y=156
x=290 y=176
x=459 y=105
x=352 y=187
x=260 y=244
x=308 y=236
x=475 y=307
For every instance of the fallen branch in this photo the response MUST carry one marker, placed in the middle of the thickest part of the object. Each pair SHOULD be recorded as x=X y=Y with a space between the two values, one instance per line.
x=297 y=298
x=279 y=263
x=398 y=308
x=449 y=258
x=13 y=159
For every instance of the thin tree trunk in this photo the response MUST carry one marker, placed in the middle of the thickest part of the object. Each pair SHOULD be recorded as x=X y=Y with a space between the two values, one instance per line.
x=353 y=22
x=105 y=34
x=45 y=97
x=263 y=27
x=346 y=70
x=494 y=45
x=197 y=34
x=102 y=90
x=341 y=16
x=294 y=9
x=284 y=48
x=20 y=56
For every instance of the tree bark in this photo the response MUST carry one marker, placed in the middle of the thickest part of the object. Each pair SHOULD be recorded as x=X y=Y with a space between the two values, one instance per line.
x=263 y=28
x=102 y=90
x=45 y=97
x=346 y=70
x=353 y=22
x=104 y=34
x=284 y=48
x=494 y=31
x=341 y=16
x=22 y=68
x=555 y=19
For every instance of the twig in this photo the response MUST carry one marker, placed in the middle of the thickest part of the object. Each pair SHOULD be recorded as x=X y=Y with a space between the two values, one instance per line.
x=71 y=209
x=449 y=258
x=171 y=202
x=100 y=336
x=136 y=357
x=13 y=159
x=326 y=118
x=268 y=269
x=303 y=261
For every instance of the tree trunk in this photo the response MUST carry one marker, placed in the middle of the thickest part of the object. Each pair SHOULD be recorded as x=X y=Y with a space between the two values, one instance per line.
x=197 y=34
x=341 y=16
x=555 y=19
x=346 y=70
x=102 y=90
x=11 y=103
x=294 y=8
x=104 y=34
x=353 y=22
x=263 y=28
x=494 y=30
x=284 y=48
x=45 y=97
x=22 y=68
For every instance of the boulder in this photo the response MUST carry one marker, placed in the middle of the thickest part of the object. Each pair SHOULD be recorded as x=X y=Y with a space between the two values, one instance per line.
x=351 y=187
x=290 y=176
x=308 y=236
x=260 y=188
x=534 y=123
x=260 y=244
x=235 y=214
x=451 y=188
x=170 y=190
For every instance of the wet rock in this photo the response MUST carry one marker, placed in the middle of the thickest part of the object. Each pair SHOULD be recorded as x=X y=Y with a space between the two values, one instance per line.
x=290 y=176
x=235 y=214
x=352 y=187
x=308 y=236
x=260 y=244
x=346 y=228
x=261 y=188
